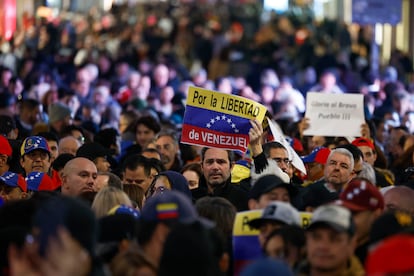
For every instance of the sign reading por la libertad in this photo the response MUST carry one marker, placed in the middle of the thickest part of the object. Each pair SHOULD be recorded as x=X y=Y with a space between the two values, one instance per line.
x=215 y=119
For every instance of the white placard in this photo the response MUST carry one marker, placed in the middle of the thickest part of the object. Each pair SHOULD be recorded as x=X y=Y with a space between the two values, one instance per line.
x=334 y=114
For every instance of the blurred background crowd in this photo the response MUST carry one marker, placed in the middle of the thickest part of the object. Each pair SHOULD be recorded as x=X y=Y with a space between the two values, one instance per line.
x=97 y=99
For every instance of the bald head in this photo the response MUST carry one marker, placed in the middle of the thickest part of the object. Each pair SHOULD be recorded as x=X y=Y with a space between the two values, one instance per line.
x=69 y=144
x=79 y=176
x=400 y=198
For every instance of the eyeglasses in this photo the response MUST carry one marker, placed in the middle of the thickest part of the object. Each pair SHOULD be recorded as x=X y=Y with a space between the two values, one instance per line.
x=39 y=154
x=283 y=160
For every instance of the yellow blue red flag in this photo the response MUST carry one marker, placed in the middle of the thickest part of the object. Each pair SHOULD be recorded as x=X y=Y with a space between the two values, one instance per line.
x=215 y=119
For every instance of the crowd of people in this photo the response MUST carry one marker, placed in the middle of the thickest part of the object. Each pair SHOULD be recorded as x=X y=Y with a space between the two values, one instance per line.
x=94 y=179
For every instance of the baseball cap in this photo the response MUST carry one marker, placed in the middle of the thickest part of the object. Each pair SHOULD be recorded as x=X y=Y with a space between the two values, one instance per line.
x=335 y=216
x=277 y=211
x=361 y=195
x=393 y=255
x=5 y=147
x=12 y=179
x=39 y=181
x=390 y=223
x=92 y=151
x=267 y=183
x=171 y=206
x=126 y=210
x=32 y=143
x=361 y=142
x=267 y=266
x=318 y=155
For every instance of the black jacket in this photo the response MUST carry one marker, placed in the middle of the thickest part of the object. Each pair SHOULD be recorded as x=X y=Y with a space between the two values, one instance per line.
x=233 y=193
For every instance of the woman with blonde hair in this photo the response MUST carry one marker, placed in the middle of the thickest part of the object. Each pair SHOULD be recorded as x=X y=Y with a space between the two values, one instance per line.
x=107 y=198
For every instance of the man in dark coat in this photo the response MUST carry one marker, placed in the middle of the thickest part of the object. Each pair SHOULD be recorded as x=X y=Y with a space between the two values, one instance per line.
x=216 y=180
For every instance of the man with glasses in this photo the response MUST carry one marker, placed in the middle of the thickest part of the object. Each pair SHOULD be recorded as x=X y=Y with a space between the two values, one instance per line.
x=277 y=152
x=35 y=155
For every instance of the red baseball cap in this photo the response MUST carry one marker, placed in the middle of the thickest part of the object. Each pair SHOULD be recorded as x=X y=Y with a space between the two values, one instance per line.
x=360 y=142
x=361 y=195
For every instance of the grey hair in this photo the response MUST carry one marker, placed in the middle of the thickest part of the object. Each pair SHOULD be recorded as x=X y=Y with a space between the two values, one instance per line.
x=345 y=152
x=368 y=172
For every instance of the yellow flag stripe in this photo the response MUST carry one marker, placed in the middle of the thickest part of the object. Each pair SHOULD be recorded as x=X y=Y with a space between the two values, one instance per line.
x=228 y=104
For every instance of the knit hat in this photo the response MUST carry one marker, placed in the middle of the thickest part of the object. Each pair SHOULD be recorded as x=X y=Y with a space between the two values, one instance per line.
x=12 y=179
x=58 y=111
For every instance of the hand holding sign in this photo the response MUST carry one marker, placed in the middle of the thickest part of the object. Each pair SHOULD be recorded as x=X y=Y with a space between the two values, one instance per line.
x=215 y=119
x=334 y=115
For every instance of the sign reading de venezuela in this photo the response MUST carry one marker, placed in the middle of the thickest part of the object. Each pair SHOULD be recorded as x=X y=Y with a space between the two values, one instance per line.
x=215 y=119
